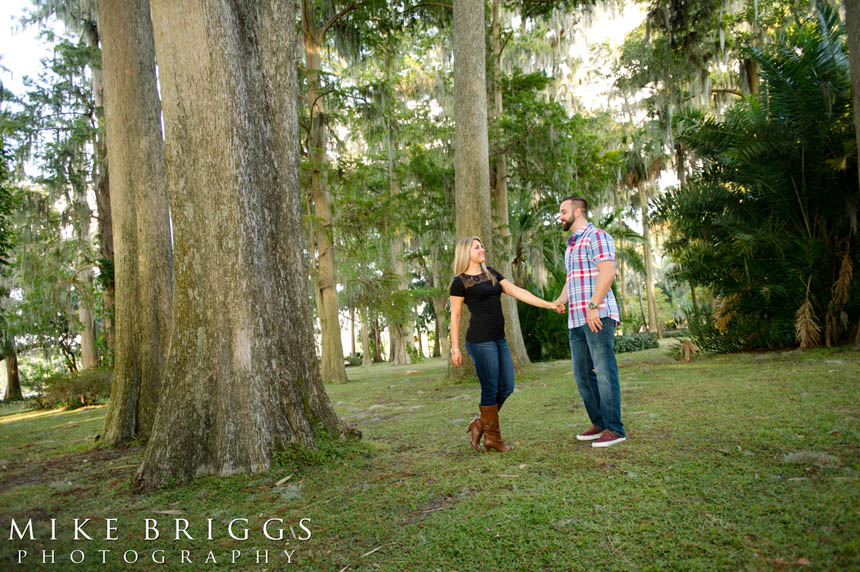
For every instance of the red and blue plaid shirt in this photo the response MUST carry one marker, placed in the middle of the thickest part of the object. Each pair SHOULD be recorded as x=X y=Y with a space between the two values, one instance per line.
x=587 y=247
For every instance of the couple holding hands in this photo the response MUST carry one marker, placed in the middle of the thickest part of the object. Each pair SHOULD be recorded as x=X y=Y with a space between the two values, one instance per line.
x=592 y=317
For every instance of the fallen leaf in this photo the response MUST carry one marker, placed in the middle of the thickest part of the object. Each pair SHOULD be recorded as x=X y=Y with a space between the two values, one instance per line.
x=523 y=466
x=168 y=511
x=284 y=480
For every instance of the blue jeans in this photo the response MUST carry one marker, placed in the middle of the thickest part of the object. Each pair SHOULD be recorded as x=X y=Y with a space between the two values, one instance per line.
x=495 y=370
x=596 y=373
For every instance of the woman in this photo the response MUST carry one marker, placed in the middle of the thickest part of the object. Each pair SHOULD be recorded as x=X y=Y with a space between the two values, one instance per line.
x=481 y=288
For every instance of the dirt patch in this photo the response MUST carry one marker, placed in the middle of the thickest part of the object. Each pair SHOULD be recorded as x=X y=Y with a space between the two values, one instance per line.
x=46 y=471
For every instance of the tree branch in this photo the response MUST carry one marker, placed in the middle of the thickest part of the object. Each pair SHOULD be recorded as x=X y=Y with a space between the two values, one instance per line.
x=729 y=91
x=338 y=16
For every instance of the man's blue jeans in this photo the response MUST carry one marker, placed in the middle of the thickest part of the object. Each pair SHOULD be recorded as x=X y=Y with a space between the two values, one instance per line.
x=495 y=370
x=596 y=373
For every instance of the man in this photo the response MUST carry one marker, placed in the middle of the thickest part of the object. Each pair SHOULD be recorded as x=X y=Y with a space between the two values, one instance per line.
x=592 y=317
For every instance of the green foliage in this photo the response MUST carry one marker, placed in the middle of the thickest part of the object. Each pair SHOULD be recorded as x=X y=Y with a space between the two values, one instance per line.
x=414 y=354
x=328 y=449
x=545 y=333
x=75 y=390
x=772 y=209
x=636 y=342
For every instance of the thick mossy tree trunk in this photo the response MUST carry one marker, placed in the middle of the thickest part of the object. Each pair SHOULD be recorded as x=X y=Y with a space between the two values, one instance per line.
x=471 y=145
x=504 y=253
x=331 y=360
x=242 y=379
x=13 y=378
x=142 y=251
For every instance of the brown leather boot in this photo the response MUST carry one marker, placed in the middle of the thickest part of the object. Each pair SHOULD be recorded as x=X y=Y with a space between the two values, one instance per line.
x=476 y=427
x=492 y=433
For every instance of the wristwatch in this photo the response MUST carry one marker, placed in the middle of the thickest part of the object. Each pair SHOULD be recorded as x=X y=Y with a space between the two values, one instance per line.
x=591 y=306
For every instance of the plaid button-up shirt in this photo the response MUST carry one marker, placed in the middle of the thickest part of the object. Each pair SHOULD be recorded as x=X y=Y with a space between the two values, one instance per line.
x=587 y=247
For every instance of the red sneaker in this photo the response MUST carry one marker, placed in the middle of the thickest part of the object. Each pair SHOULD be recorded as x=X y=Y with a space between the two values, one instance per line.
x=607 y=438
x=592 y=433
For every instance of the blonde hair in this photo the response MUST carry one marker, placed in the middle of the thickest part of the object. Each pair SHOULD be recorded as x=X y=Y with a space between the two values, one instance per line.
x=461 y=257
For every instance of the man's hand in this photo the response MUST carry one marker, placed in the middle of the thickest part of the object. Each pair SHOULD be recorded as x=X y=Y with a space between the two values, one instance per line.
x=592 y=318
x=559 y=307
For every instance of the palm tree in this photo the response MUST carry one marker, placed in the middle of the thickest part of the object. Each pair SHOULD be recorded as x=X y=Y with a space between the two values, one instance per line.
x=769 y=222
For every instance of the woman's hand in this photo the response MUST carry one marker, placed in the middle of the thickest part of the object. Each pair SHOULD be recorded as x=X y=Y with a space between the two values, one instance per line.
x=457 y=357
x=555 y=306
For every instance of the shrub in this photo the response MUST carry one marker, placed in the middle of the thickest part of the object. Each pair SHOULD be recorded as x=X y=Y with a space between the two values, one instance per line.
x=352 y=360
x=75 y=390
x=636 y=342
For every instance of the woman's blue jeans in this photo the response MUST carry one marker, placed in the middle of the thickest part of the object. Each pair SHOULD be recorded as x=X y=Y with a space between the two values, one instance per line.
x=596 y=373
x=495 y=370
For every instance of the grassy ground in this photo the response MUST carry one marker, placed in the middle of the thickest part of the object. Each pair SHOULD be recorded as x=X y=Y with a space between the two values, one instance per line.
x=742 y=462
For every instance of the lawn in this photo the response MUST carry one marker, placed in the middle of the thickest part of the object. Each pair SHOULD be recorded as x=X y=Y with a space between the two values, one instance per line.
x=733 y=462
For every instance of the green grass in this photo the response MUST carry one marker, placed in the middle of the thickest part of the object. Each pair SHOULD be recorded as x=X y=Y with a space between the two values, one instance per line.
x=734 y=462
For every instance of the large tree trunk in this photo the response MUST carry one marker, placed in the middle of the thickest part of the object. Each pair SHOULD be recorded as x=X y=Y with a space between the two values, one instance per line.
x=331 y=363
x=400 y=334
x=852 y=29
x=441 y=343
x=653 y=322
x=143 y=264
x=502 y=234
x=378 y=350
x=749 y=75
x=680 y=164
x=241 y=380
x=13 y=379
x=86 y=315
x=101 y=186
x=471 y=145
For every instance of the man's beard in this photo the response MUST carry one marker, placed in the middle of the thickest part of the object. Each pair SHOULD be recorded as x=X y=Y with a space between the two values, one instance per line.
x=565 y=226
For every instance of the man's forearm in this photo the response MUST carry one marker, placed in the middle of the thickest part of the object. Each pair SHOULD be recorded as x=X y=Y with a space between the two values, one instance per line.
x=604 y=283
x=562 y=298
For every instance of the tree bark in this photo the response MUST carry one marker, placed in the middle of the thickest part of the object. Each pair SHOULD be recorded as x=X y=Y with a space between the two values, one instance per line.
x=378 y=350
x=653 y=325
x=352 y=329
x=749 y=69
x=13 y=378
x=400 y=335
x=693 y=296
x=680 y=164
x=143 y=257
x=366 y=357
x=331 y=360
x=442 y=343
x=241 y=380
x=471 y=146
x=502 y=231
x=101 y=185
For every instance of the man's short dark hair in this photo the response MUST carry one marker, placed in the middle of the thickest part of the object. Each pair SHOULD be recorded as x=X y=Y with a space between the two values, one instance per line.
x=578 y=203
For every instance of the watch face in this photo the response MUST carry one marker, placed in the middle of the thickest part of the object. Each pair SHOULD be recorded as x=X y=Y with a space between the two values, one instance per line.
x=591 y=306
